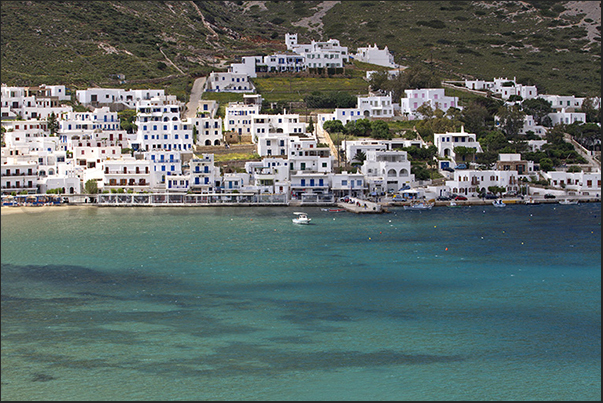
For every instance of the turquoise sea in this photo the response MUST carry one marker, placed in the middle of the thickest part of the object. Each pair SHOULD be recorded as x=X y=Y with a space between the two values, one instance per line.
x=226 y=303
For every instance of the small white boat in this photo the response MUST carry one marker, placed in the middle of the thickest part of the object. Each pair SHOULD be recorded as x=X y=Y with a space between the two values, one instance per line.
x=499 y=203
x=453 y=204
x=568 y=201
x=302 y=218
x=419 y=206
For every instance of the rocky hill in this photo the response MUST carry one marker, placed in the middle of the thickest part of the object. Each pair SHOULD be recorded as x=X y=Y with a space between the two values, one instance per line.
x=554 y=45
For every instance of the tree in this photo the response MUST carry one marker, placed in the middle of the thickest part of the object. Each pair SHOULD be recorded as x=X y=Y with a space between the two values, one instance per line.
x=310 y=128
x=126 y=120
x=493 y=141
x=380 y=130
x=333 y=126
x=474 y=116
x=195 y=134
x=53 y=124
x=546 y=164
x=426 y=111
x=593 y=115
x=487 y=159
x=360 y=156
x=511 y=120
x=363 y=127
x=419 y=77
x=379 y=81
x=539 y=108
x=463 y=151
x=91 y=188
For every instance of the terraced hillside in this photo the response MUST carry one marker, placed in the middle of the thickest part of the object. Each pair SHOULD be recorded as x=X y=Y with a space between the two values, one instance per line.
x=555 y=45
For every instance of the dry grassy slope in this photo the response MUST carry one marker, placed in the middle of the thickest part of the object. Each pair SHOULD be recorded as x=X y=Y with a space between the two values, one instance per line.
x=81 y=42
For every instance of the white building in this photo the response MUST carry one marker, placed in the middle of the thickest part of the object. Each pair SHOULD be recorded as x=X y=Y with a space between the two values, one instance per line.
x=112 y=96
x=433 y=97
x=163 y=165
x=446 y=143
x=19 y=174
x=376 y=106
x=305 y=155
x=329 y=54
x=583 y=183
x=207 y=108
x=203 y=174
x=387 y=171
x=30 y=102
x=228 y=82
x=127 y=173
x=270 y=175
x=473 y=182
x=374 y=55
x=239 y=116
x=563 y=102
x=235 y=182
x=504 y=87
x=529 y=124
x=160 y=127
x=567 y=118
x=344 y=115
x=209 y=131
x=348 y=184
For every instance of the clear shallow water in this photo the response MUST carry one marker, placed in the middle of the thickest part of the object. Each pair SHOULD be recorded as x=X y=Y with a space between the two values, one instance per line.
x=240 y=304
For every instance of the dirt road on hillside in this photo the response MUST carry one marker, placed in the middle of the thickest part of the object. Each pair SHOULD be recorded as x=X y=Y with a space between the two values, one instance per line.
x=196 y=93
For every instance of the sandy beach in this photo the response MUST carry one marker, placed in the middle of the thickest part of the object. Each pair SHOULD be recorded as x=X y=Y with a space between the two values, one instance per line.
x=41 y=209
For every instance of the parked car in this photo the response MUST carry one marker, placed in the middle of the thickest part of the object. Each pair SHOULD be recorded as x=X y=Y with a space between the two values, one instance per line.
x=461 y=166
x=549 y=196
x=460 y=198
x=444 y=198
x=490 y=196
x=448 y=169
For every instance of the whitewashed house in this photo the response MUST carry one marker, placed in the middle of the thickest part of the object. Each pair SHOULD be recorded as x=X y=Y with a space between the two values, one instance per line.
x=163 y=165
x=127 y=173
x=207 y=108
x=160 y=127
x=30 y=103
x=271 y=132
x=446 y=143
x=209 y=130
x=239 y=116
x=19 y=174
x=203 y=174
x=348 y=184
x=387 y=171
x=567 y=118
x=374 y=55
x=472 y=182
x=583 y=183
x=434 y=97
x=529 y=125
x=376 y=106
x=327 y=54
x=305 y=155
x=344 y=115
x=228 y=82
x=270 y=175
x=56 y=172
x=504 y=87
x=235 y=182
x=115 y=96
x=563 y=102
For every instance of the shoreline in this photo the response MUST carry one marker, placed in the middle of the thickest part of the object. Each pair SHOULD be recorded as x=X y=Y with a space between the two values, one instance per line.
x=10 y=210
